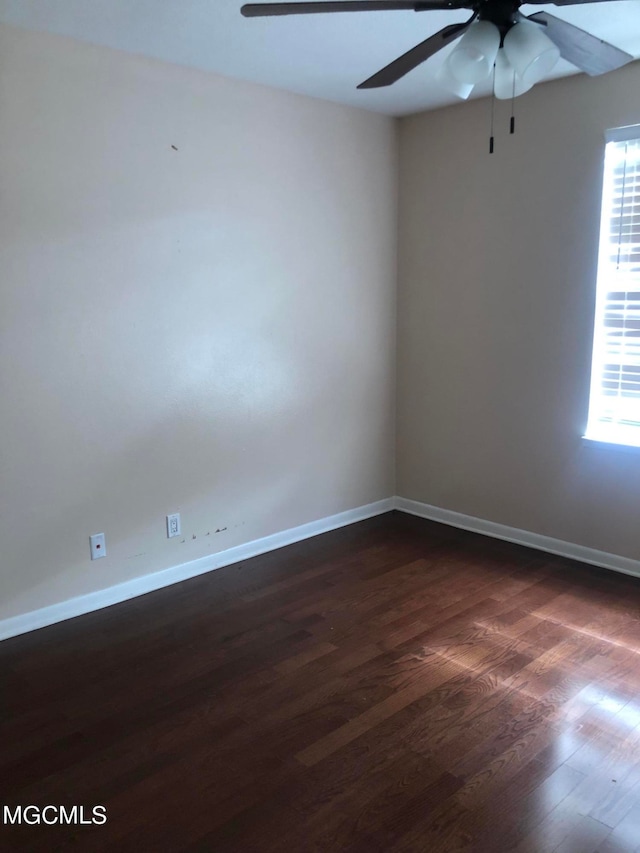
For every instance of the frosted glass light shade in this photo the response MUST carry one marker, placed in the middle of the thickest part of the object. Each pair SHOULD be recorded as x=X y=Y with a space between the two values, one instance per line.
x=507 y=82
x=530 y=51
x=446 y=79
x=472 y=59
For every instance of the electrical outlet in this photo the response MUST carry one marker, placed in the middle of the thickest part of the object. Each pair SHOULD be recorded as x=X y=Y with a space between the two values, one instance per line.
x=173 y=525
x=98 y=546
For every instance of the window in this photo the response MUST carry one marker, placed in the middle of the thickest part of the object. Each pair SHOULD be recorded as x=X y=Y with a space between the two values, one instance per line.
x=614 y=404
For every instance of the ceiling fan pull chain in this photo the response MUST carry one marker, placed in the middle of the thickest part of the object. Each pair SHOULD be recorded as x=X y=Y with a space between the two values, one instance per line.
x=512 y=123
x=493 y=104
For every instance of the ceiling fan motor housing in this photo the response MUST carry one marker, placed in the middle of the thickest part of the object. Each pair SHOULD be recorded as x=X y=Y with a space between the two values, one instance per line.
x=503 y=13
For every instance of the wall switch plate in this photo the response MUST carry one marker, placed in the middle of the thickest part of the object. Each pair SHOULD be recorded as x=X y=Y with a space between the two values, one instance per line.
x=173 y=525
x=98 y=546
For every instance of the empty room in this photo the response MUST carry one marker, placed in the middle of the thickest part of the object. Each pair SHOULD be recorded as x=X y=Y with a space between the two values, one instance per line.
x=320 y=426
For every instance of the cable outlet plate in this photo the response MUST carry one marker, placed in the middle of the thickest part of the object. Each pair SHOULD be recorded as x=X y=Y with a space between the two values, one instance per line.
x=174 y=527
x=98 y=546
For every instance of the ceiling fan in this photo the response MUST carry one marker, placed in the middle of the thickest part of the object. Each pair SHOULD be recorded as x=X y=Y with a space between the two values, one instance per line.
x=497 y=39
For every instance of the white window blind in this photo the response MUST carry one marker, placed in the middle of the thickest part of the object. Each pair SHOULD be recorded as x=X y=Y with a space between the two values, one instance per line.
x=614 y=404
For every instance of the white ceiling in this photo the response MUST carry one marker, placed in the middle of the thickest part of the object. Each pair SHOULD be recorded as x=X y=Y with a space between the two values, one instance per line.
x=325 y=56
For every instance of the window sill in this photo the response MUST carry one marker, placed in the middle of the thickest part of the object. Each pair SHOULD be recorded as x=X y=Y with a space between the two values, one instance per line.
x=597 y=444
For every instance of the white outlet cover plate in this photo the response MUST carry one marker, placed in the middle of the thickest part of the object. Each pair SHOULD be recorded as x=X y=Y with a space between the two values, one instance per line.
x=98 y=546
x=174 y=528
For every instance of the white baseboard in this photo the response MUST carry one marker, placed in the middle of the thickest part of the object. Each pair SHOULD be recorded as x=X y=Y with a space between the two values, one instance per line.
x=521 y=537
x=26 y=622
x=148 y=583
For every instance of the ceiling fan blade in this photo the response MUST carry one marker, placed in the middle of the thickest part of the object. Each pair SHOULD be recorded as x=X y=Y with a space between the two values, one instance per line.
x=255 y=10
x=584 y=50
x=414 y=57
x=564 y=2
x=259 y=10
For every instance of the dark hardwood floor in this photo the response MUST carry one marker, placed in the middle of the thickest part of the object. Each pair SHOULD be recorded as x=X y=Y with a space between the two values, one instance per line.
x=393 y=686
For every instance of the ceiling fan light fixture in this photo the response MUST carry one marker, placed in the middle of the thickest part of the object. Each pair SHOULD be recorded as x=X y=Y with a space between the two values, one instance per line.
x=507 y=82
x=472 y=59
x=530 y=52
x=446 y=79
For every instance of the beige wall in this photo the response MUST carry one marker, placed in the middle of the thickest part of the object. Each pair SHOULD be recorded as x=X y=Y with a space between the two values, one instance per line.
x=211 y=329
x=208 y=330
x=496 y=290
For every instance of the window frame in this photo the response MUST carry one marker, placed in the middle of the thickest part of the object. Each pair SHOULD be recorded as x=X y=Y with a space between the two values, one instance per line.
x=595 y=434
